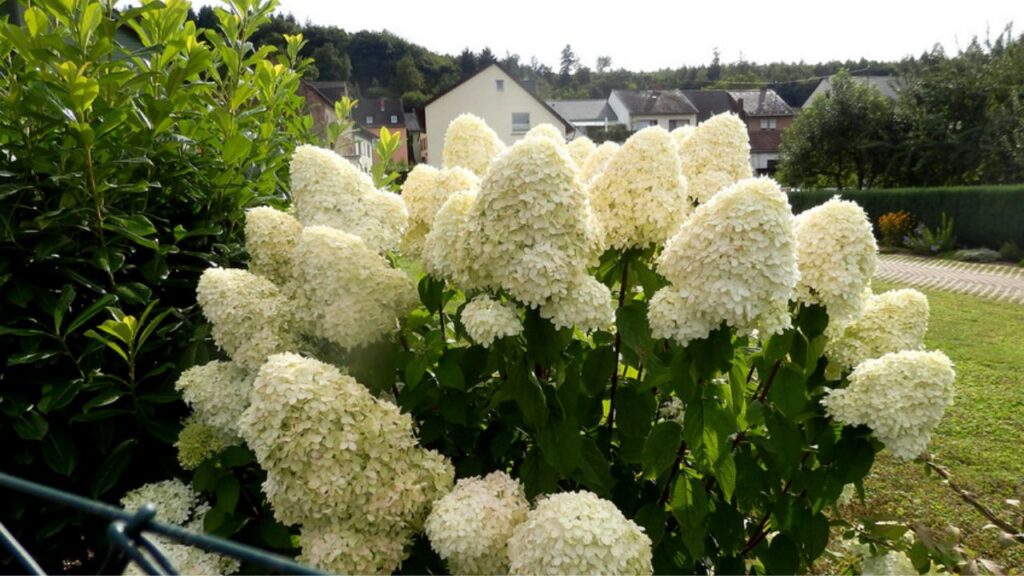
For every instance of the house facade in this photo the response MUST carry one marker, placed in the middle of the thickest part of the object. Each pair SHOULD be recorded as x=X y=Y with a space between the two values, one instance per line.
x=767 y=115
x=638 y=109
x=377 y=113
x=496 y=97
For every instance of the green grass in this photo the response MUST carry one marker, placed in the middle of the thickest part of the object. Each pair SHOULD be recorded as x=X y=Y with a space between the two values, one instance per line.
x=981 y=438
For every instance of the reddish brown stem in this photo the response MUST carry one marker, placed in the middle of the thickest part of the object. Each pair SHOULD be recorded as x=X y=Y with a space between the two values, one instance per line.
x=618 y=349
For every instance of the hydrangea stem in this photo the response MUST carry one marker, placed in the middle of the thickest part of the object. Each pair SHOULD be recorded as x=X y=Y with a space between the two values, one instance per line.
x=623 y=283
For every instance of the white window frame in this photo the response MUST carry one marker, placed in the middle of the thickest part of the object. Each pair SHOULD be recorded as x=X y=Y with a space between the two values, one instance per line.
x=518 y=128
x=499 y=85
x=394 y=118
x=369 y=118
x=769 y=124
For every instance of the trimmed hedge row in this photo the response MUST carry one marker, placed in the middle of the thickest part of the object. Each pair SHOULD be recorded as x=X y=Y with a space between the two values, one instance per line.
x=982 y=215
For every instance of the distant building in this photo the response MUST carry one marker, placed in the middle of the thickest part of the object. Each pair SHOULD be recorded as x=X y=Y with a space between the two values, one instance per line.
x=638 y=109
x=711 y=103
x=333 y=90
x=356 y=146
x=766 y=115
x=414 y=128
x=319 y=106
x=586 y=115
x=501 y=100
x=888 y=86
x=374 y=114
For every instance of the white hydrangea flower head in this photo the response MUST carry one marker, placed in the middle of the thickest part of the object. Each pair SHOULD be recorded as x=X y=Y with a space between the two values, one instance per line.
x=891 y=563
x=578 y=533
x=892 y=321
x=425 y=192
x=470 y=143
x=837 y=256
x=672 y=410
x=531 y=227
x=176 y=503
x=640 y=197
x=487 y=320
x=330 y=191
x=580 y=150
x=447 y=247
x=545 y=130
x=352 y=548
x=598 y=161
x=733 y=261
x=715 y=155
x=681 y=136
x=249 y=314
x=901 y=396
x=347 y=292
x=470 y=526
x=198 y=441
x=587 y=304
x=333 y=452
x=270 y=237
x=218 y=393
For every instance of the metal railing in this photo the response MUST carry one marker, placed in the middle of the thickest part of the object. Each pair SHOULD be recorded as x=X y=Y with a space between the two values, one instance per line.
x=127 y=531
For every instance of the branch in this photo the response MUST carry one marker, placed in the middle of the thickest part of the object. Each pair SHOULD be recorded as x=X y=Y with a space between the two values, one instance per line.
x=973 y=501
x=761 y=533
x=667 y=492
x=618 y=348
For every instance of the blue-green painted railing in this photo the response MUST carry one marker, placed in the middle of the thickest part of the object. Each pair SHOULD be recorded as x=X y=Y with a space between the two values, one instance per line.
x=128 y=530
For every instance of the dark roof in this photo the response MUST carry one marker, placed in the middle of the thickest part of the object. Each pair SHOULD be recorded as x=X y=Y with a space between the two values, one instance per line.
x=520 y=83
x=333 y=90
x=655 y=102
x=763 y=102
x=377 y=112
x=412 y=122
x=711 y=102
x=312 y=89
x=584 y=110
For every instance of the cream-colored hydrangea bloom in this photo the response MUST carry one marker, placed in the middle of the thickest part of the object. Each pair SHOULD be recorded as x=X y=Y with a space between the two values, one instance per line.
x=901 y=396
x=218 y=393
x=837 y=256
x=352 y=548
x=681 y=136
x=176 y=503
x=892 y=321
x=587 y=305
x=345 y=291
x=580 y=150
x=470 y=143
x=447 y=248
x=715 y=155
x=545 y=130
x=531 y=227
x=425 y=192
x=330 y=191
x=250 y=316
x=338 y=460
x=198 y=441
x=891 y=563
x=598 y=161
x=487 y=320
x=732 y=262
x=270 y=237
x=471 y=525
x=578 y=533
x=640 y=197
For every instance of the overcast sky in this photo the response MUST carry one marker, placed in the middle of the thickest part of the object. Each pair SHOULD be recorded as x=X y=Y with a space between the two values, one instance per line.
x=652 y=35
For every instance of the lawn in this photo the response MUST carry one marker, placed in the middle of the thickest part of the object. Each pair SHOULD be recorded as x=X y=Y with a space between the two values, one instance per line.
x=981 y=439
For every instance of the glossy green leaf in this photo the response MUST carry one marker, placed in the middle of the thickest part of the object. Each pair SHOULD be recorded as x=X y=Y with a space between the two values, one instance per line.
x=59 y=452
x=661 y=448
x=109 y=472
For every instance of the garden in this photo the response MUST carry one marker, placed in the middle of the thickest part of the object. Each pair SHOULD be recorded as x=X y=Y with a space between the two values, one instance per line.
x=543 y=358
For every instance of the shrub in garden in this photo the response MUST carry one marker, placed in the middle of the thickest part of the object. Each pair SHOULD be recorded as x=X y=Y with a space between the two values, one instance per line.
x=1010 y=252
x=692 y=398
x=893 y=227
x=928 y=241
x=124 y=173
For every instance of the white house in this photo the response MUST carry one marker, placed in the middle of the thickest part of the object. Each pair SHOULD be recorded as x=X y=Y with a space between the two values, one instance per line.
x=494 y=95
x=639 y=109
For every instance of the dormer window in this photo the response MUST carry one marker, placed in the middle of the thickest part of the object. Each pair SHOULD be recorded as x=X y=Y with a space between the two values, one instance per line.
x=369 y=118
x=394 y=119
x=499 y=85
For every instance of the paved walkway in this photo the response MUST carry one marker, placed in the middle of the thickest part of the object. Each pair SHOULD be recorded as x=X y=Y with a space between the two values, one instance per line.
x=983 y=280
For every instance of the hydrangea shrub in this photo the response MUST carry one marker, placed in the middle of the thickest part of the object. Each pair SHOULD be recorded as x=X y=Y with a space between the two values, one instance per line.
x=582 y=364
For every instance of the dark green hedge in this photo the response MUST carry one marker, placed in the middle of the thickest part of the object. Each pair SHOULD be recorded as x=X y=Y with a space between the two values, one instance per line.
x=982 y=215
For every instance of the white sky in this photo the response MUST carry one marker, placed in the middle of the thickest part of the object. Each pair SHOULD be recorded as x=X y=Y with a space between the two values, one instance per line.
x=661 y=34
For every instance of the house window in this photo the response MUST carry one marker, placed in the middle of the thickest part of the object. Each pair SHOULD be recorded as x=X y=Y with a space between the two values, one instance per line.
x=769 y=124
x=369 y=119
x=394 y=119
x=673 y=124
x=499 y=85
x=652 y=122
x=520 y=122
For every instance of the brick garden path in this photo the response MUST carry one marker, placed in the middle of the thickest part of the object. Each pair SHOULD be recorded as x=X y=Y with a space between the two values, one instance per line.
x=983 y=280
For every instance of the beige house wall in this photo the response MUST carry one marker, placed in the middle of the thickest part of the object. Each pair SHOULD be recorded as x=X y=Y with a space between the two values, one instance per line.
x=480 y=96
